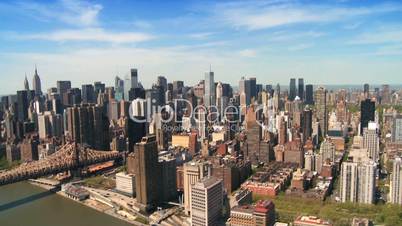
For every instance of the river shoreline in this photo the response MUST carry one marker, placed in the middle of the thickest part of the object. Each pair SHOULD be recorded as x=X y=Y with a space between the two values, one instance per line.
x=109 y=211
x=24 y=203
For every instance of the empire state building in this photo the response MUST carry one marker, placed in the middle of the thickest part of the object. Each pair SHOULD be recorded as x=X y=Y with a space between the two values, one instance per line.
x=36 y=83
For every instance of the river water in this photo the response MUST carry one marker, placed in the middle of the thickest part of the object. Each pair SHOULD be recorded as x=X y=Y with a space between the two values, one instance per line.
x=23 y=204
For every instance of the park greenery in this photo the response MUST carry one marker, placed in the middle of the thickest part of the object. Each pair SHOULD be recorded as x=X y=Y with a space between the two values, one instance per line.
x=288 y=208
x=100 y=182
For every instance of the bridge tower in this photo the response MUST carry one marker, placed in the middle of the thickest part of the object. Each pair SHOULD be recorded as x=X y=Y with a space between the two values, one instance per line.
x=76 y=171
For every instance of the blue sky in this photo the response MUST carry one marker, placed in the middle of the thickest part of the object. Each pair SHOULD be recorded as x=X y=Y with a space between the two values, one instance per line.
x=326 y=42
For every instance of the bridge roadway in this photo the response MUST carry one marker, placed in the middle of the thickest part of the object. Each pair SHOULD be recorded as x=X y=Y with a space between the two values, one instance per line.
x=67 y=157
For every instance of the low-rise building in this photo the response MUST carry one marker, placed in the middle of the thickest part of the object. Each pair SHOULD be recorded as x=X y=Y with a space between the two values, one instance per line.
x=361 y=222
x=125 y=183
x=266 y=189
x=310 y=221
x=260 y=214
x=75 y=192
x=206 y=202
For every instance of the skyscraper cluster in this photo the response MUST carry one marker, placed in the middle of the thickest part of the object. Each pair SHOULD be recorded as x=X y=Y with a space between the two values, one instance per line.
x=195 y=145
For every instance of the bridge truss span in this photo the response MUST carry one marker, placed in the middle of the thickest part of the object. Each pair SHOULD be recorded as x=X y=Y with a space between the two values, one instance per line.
x=68 y=157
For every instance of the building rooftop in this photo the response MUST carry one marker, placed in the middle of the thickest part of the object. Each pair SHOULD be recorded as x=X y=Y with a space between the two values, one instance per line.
x=208 y=182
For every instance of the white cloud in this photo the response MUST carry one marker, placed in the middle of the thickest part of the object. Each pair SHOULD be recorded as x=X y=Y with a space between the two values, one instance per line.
x=201 y=35
x=73 y=12
x=262 y=16
x=300 y=47
x=282 y=36
x=379 y=37
x=142 y=24
x=90 y=34
x=248 y=53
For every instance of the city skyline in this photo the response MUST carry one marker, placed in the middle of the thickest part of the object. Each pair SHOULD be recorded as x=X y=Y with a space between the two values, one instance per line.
x=201 y=113
x=29 y=81
x=86 y=41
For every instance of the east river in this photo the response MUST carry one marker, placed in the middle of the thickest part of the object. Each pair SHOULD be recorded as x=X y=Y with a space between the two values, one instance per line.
x=23 y=204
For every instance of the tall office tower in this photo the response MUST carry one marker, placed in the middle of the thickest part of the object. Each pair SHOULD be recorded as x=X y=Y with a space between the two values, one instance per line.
x=88 y=94
x=50 y=125
x=114 y=110
x=219 y=96
x=327 y=150
x=282 y=131
x=162 y=81
x=54 y=104
x=22 y=105
x=29 y=148
x=10 y=124
x=320 y=100
x=137 y=124
x=156 y=97
x=357 y=182
x=135 y=93
x=192 y=173
x=253 y=88
x=367 y=111
x=63 y=86
x=36 y=85
x=72 y=97
x=292 y=89
x=99 y=87
x=167 y=187
x=206 y=202
x=348 y=182
x=301 y=89
x=130 y=82
x=253 y=131
x=245 y=91
x=366 y=90
x=119 y=88
x=170 y=86
x=309 y=94
x=397 y=129
x=26 y=83
x=177 y=88
x=307 y=125
x=385 y=95
x=341 y=112
x=366 y=182
x=371 y=141
x=309 y=160
x=396 y=182
x=102 y=99
x=277 y=98
x=259 y=89
x=87 y=124
x=201 y=123
x=209 y=94
x=146 y=172
x=270 y=90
